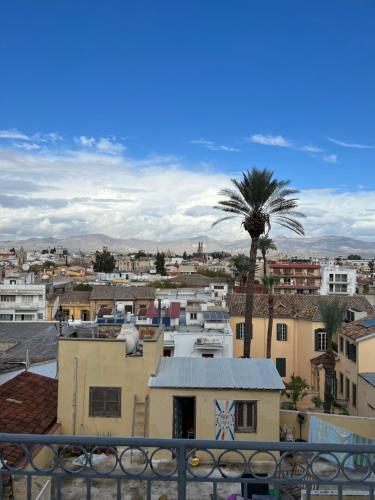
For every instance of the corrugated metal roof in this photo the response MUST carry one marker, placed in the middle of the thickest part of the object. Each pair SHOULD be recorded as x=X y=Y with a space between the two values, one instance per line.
x=369 y=377
x=217 y=373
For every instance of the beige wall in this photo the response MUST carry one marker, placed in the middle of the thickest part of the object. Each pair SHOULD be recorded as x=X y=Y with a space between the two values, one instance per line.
x=85 y=363
x=298 y=349
x=74 y=310
x=161 y=412
x=366 y=398
x=359 y=425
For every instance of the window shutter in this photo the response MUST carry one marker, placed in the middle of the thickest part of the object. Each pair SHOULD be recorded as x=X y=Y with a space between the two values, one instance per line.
x=278 y=331
x=238 y=330
x=316 y=340
x=286 y=332
x=281 y=366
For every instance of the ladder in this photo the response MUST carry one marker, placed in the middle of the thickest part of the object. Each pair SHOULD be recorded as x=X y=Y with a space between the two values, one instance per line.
x=140 y=417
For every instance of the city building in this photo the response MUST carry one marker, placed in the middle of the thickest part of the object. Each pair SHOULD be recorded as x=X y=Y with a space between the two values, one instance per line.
x=338 y=280
x=298 y=332
x=20 y=300
x=75 y=305
x=295 y=277
x=122 y=298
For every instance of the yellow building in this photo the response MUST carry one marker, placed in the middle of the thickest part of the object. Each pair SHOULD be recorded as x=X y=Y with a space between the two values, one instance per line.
x=298 y=335
x=132 y=298
x=108 y=386
x=75 y=304
x=355 y=368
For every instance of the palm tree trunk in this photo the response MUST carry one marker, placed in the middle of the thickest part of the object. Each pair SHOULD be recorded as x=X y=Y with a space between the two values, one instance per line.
x=248 y=329
x=270 y=324
x=329 y=373
x=264 y=262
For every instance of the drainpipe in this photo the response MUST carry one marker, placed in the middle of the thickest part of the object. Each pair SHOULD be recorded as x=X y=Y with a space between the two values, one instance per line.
x=74 y=399
x=159 y=311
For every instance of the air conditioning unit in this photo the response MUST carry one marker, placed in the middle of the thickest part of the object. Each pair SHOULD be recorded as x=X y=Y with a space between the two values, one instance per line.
x=200 y=341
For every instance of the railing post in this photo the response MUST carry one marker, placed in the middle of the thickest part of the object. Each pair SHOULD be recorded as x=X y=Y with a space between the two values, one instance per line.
x=181 y=471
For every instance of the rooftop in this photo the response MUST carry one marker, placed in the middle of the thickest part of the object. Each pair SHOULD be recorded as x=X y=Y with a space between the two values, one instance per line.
x=294 y=306
x=74 y=297
x=357 y=329
x=369 y=377
x=103 y=292
x=217 y=373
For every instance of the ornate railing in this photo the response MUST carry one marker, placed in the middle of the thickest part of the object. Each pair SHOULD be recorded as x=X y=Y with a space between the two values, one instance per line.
x=183 y=468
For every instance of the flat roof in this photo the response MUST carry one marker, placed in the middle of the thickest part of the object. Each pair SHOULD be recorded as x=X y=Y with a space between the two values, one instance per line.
x=217 y=373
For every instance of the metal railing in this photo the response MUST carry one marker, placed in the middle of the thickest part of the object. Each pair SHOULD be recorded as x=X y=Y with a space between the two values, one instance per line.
x=281 y=469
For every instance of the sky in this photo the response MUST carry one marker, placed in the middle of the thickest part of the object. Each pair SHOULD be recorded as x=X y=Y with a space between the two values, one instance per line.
x=127 y=118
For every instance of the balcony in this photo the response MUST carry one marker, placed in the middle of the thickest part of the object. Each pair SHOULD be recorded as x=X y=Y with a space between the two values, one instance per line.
x=208 y=343
x=114 y=467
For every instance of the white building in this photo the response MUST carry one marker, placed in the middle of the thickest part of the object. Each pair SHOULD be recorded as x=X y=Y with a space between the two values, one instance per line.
x=21 y=301
x=338 y=280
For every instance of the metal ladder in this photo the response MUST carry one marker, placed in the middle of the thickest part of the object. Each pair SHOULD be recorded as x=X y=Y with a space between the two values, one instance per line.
x=140 y=417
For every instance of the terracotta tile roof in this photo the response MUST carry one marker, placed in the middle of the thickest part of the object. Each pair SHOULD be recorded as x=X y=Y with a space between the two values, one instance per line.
x=355 y=330
x=196 y=281
x=28 y=405
x=104 y=292
x=292 y=306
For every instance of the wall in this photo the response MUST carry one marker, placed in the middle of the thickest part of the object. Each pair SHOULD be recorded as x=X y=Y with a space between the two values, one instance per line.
x=366 y=398
x=359 y=425
x=298 y=349
x=161 y=412
x=102 y=362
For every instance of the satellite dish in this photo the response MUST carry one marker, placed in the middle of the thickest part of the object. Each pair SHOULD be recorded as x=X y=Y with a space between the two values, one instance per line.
x=25 y=267
x=55 y=307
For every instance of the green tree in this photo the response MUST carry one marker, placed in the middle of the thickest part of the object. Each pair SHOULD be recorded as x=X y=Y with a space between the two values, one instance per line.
x=354 y=256
x=240 y=265
x=332 y=314
x=371 y=266
x=296 y=388
x=269 y=282
x=104 y=262
x=160 y=264
x=139 y=254
x=259 y=199
x=184 y=255
x=82 y=287
x=265 y=244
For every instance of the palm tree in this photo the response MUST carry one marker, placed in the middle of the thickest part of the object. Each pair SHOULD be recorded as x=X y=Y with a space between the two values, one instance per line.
x=332 y=314
x=269 y=282
x=259 y=199
x=240 y=264
x=265 y=244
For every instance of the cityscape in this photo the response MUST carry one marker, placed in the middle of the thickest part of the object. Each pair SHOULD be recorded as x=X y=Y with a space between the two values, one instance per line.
x=187 y=292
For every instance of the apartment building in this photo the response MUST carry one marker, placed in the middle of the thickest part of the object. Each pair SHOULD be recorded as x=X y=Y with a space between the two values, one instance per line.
x=22 y=301
x=338 y=280
x=295 y=277
x=298 y=336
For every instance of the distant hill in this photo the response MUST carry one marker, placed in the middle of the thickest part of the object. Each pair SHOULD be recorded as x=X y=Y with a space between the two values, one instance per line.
x=322 y=246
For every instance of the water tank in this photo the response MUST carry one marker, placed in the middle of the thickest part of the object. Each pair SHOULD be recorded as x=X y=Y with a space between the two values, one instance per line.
x=130 y=334
x=120 y=307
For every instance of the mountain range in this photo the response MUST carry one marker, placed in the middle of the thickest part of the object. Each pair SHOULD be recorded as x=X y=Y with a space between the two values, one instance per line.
x=325 y=246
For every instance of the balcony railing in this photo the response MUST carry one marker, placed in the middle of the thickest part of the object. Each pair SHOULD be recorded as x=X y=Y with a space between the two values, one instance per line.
x=184 y=468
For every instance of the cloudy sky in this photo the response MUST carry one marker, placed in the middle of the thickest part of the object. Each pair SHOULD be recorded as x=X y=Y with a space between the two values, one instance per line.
x=127 y=119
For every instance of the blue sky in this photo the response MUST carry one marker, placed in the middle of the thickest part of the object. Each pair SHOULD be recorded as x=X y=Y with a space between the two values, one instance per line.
x=209 y=88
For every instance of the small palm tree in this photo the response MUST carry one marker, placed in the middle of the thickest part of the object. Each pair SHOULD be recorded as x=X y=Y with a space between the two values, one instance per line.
x=332 y=314
x=269 y=282
x=297 y=389
x=240 y=265
x=259 y=199
x=265 y=244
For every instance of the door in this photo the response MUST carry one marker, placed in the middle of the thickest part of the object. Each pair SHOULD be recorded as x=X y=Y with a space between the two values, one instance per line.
x=183 y=417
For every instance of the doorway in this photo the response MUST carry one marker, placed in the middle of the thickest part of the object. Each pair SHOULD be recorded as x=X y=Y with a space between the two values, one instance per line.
x=183 y=417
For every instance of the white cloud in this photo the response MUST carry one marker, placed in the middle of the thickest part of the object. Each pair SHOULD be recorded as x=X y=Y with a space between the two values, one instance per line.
x=311 y=149
x=85 y=141
x=13 y=134
x=29 y=146
x=271 y=140
x=105 y=145
x=155 y=197
x=330 y=158
x=350 y=144
x=213 y=146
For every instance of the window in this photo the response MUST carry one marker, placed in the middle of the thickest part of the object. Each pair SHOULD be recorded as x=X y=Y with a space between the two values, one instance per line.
x=347 y=388
x=341 y=383
x=351 y=351
x=320 y=340
x=207 y=355
x=13 y=282
x=287 y=281
x=219 y=287
x=40 y=315
x=6 y=317
x=354 y=395
x=246 y=416
x=331 y=277
x=350 y=315
x=7 y=298
x=167 y=352
x=281 y=366
x=27 y=299
x=40 y=297
x=331 y=288
x=281 y=331
x=341 y=344
x=193 y=316
x=24 y=317
x=105 y=402
x=240 y=331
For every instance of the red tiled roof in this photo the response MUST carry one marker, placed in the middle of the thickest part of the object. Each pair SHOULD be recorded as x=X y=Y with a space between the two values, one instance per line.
x=291 y=265
x=28 y=405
